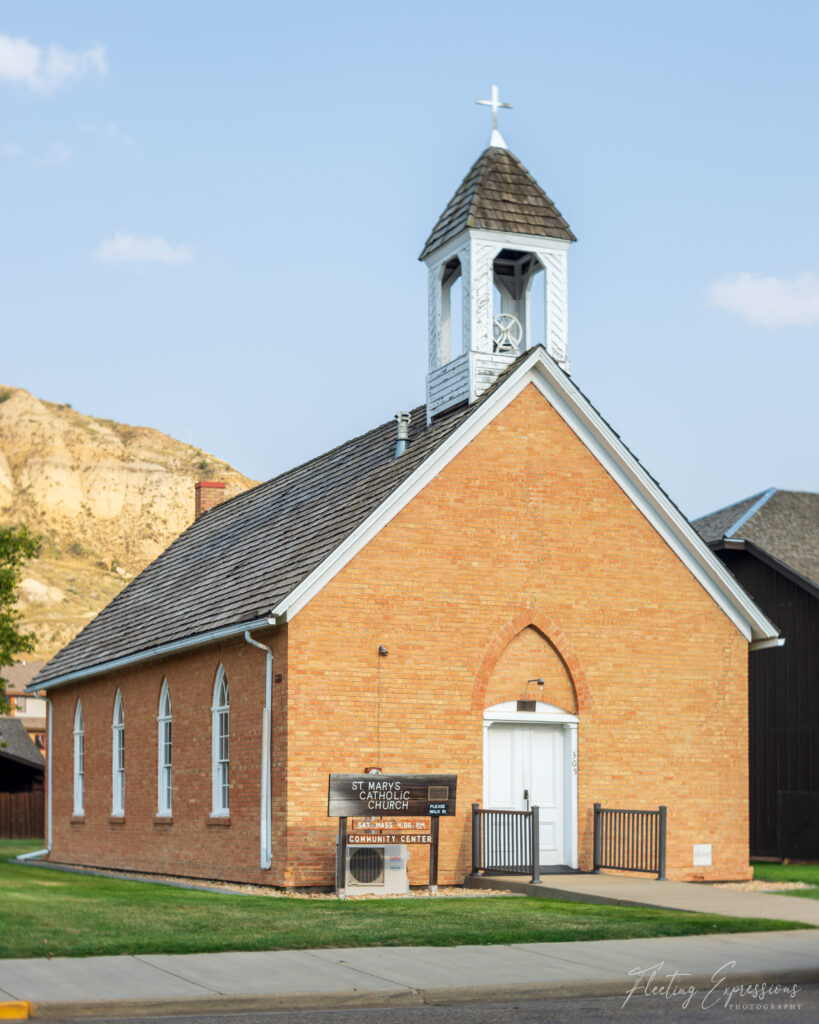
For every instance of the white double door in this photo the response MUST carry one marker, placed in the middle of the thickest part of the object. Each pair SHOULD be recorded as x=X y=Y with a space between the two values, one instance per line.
x=525 y=766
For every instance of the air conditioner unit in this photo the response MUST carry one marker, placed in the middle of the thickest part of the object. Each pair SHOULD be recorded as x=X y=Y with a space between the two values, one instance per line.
x=377 y=870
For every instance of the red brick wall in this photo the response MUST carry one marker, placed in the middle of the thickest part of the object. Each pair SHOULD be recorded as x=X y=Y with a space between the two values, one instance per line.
x=523 y=526
x=191 y=844
x=521 y=559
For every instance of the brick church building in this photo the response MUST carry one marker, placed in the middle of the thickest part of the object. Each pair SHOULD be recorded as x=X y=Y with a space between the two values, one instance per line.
x=494 y=587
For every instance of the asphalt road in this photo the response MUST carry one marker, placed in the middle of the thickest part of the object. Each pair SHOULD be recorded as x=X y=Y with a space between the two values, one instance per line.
x=803 y=1006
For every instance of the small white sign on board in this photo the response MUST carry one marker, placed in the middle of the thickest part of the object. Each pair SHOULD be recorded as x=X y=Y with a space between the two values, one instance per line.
x=702 y=855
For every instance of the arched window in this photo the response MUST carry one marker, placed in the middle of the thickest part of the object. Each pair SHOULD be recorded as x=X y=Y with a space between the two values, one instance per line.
x=79 y=760
x=221 y=746
x=165 y=754
x=118 y=759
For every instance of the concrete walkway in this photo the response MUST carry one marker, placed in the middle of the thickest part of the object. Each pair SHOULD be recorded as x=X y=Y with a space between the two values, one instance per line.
x=404 y=976
x=623 y=891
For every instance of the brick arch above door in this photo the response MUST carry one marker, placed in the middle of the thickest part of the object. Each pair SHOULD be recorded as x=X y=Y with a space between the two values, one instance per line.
x=564 y=662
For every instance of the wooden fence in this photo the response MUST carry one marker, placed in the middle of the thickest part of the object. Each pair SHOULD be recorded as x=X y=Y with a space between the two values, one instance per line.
x=22 y=815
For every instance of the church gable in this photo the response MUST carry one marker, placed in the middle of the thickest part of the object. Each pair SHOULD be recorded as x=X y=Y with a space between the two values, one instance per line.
x=525 y=510
x=520 y=558
x=583 y=435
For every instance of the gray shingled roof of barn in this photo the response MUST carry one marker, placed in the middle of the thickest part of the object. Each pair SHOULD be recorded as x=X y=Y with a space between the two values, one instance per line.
x=499 y=194
x=786 y=526
x=240 y=559
x=716 y=525
x=16 y=743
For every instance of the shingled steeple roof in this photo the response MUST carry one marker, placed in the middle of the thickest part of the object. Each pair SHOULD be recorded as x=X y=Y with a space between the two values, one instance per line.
x=498 y=194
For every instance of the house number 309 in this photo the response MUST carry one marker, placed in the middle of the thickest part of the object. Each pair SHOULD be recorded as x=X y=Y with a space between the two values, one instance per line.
x=574 y=762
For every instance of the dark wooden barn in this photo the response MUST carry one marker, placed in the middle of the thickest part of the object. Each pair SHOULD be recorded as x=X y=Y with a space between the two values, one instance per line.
x=770 y=542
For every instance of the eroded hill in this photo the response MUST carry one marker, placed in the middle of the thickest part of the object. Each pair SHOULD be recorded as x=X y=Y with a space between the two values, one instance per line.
x=105 y=497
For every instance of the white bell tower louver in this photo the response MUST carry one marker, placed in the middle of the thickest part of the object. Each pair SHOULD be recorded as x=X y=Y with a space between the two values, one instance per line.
x=497 y=233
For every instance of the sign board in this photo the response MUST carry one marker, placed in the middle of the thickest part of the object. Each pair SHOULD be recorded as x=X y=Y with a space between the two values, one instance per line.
x=391 y=796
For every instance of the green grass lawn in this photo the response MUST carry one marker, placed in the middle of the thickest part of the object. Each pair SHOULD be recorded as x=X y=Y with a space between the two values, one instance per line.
x=47 y=912
x=790 y=873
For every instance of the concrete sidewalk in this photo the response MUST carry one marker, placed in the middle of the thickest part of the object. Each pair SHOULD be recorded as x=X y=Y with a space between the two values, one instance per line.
x=405 y=976
x=620 y=890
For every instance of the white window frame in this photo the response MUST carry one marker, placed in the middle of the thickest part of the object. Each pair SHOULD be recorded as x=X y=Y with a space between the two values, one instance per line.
x=79 y=761
x=164 y=757
x=220 y=720
x=118 y=759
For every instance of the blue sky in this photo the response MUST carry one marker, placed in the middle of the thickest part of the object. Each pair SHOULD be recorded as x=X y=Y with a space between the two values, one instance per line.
x=210 y=215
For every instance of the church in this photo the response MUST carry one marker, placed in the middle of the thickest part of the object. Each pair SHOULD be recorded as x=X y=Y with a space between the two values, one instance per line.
x=490 y=585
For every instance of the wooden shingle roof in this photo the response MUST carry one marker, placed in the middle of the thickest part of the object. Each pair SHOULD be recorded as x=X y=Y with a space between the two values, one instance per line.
x=498 y=194
x=240 y=559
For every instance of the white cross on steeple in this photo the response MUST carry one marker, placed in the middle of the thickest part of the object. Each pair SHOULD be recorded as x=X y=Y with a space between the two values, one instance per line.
x=496 y=139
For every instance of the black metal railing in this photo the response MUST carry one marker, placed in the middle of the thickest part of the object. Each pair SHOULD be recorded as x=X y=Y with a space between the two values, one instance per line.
x=506 y=841
x=630 y=840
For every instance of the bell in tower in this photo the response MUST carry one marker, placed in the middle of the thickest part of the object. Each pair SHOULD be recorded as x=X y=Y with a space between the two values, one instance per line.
x=487 y=299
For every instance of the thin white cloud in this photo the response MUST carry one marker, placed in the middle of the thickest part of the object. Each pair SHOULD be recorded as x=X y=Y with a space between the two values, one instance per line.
x=113 y=133
x=770 y=301
x=11 y=151
x=141 y=249
x=45 y=69
x=58 y=153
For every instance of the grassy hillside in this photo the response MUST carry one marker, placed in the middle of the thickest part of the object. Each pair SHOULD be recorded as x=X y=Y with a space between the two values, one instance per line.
x=105 y=497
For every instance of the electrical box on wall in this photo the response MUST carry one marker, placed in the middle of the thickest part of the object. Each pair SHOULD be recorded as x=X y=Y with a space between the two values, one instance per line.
x=377 y=870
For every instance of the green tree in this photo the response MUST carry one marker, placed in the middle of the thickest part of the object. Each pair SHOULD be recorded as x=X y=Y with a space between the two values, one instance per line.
x=17 y=544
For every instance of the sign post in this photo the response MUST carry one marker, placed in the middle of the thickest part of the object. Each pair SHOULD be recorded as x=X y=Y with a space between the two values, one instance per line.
x=433 y=857
x=341 y=862
x=388 y=797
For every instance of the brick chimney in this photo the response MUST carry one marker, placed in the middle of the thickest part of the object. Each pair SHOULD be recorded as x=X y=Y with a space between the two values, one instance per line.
x=209 y=493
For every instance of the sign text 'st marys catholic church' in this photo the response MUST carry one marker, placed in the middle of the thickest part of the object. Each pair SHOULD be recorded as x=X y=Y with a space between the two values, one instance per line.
x=390 y=796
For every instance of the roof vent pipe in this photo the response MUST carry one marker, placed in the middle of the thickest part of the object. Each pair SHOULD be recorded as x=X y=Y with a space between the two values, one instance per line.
x=402 y=419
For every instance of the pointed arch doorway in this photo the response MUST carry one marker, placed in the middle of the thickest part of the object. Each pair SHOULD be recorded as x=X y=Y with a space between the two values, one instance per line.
x=530 y=758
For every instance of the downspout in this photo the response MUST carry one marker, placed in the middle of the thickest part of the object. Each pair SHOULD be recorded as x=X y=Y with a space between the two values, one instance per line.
x=265 y=820
x=44 y=853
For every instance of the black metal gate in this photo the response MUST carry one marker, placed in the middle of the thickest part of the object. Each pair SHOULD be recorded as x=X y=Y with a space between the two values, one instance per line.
x=627 y=840
x=506 y=841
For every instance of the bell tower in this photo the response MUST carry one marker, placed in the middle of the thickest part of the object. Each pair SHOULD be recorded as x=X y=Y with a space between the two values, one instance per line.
x=498 y=233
